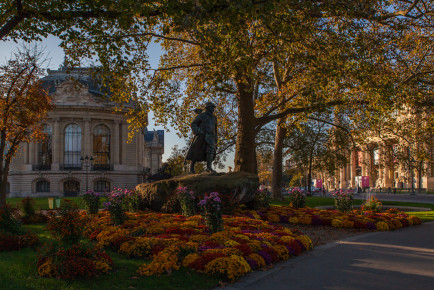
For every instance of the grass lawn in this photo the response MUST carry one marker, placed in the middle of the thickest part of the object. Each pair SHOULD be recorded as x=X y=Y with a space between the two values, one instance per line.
x=313 y=201
x=18 y=271
x=42 y=202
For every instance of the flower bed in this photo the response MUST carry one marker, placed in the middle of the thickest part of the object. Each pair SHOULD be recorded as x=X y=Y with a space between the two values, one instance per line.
x=73 y=262
x=359 y=220
x=172 y=241
x=14 y=242
x=69 y=258
x=12 y=236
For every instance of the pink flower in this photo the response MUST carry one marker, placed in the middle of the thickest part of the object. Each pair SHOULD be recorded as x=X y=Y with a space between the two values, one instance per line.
x=202 y=202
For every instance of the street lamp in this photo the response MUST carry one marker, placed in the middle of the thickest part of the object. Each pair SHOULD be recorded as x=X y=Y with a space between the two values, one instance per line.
x=86 y=161
x=146 y=172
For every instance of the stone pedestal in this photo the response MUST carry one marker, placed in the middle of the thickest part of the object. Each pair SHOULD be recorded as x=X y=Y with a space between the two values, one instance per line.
x=242 y=186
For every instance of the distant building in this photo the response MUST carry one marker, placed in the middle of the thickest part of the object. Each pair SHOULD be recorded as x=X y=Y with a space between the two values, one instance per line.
x=83 y=124
x=372 y=168
x=386 y=162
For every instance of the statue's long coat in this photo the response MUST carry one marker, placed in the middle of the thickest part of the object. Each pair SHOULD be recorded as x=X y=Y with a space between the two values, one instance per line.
x=204 y=128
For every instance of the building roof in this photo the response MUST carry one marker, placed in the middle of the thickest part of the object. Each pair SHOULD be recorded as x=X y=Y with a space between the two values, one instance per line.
x=80 y=74
x=150 y=135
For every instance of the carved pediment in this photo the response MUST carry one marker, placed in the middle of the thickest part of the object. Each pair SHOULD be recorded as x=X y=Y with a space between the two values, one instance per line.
x=72 y=92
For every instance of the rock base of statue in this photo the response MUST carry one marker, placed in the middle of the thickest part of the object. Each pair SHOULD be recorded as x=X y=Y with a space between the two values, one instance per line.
x=240 y=186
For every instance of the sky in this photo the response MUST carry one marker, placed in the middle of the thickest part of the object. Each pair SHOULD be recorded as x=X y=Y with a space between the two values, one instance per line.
x=55 y=56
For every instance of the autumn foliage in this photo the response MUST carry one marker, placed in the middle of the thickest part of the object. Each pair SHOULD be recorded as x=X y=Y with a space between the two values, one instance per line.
x=23 y=107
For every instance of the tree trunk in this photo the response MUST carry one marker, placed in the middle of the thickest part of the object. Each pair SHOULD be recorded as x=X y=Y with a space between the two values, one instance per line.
x=3 y=186
x=278 y=159
x=309 y=176
x=245 y=154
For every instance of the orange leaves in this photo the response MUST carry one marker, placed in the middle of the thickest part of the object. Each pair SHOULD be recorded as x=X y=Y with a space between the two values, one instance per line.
x=24 y=103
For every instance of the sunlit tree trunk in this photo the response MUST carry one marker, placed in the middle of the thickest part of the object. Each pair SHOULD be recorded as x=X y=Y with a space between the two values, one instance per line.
x=278 y=159
x=245 y=154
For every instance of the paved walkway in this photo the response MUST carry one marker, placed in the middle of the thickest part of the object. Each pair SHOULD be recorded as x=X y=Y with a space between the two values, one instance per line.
x=418 y=197
x=402 y=259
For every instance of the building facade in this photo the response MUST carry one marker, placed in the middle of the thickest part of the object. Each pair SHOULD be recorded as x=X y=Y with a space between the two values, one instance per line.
x=86 y=146
x=372 y=167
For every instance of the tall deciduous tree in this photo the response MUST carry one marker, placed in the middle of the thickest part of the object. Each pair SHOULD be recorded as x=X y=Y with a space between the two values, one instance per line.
x=318 y=145
x=290 y=58
x=23 y=107
x=230 y=51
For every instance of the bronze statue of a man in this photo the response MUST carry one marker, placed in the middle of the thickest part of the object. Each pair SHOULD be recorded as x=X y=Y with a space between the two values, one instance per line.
x=203 y=147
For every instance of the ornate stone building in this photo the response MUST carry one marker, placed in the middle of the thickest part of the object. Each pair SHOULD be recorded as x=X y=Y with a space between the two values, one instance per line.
x=86 y=145
x=372 y=167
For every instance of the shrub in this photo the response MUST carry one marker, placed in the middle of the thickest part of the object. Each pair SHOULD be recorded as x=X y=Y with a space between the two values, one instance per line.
x=28 y=205
x=211 y=211
x=91 y=201
x=343 y=201
x=115 y=205
x=30 y=216
x=12 y=237
x=8 y=220
x=172 y=205
x=72 y=262
x=10 y=242
x=229 y=203
x=132 y=200
x=186 y=201
x=296 y=198
x=372 y=204
x=263 y=197
x=66 y=224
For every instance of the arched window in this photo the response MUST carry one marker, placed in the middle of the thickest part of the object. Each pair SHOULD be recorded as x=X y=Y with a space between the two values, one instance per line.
x=45 y=152
x=72 y=152
x=71 y=188
x=42 y=186
x=101 y=186
x=101 y=147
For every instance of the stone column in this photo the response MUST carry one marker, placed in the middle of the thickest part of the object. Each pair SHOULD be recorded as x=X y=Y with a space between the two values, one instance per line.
x=348 y=172
x=32 y=149
x=26 y=153
x=56 y=145
x=36 y=152
x=353 y=168
x=342 y=177
x=124 y=143
x=116 y=142
x=140 y=149
x=368 y=158
x=86 y=143
x=387 y=181
x=381 y=166
x=366 y=164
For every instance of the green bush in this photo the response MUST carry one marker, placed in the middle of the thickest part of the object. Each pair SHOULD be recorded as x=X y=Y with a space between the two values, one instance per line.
x=9 y=222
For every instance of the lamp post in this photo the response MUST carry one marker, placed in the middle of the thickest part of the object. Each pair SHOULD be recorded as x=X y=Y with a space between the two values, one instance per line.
x=146 y=172
x=86 y=161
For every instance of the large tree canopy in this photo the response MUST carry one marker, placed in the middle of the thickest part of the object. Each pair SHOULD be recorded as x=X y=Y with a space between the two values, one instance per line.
x=259 y=60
